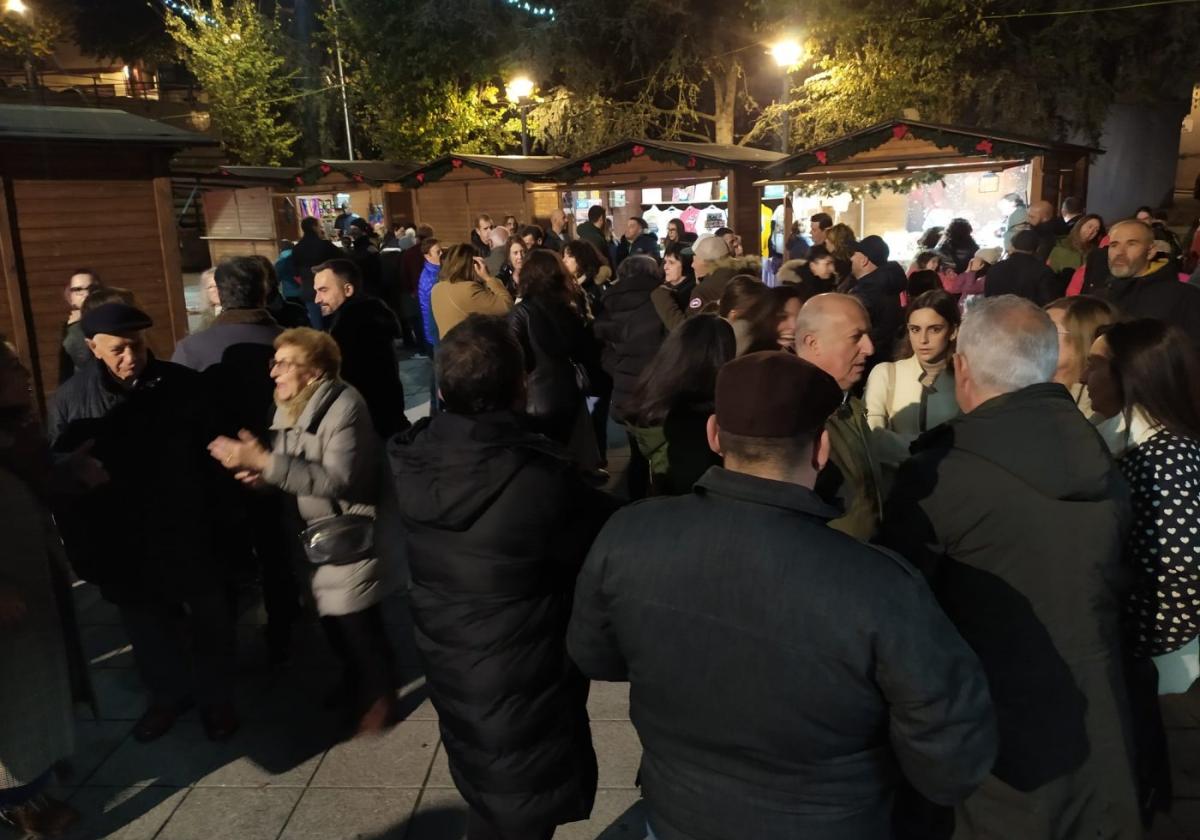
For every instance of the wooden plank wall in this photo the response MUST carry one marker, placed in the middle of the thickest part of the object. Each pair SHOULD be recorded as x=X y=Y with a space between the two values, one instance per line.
x=111 y=227
x=443 y=206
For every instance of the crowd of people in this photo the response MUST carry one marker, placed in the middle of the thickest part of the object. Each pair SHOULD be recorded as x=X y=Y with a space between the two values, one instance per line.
x=907 y=544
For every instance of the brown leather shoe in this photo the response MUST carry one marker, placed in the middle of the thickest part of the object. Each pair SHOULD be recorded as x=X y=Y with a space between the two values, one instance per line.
x=42 y=817
x=158 y=720
x=220 y=721
x=378 y=717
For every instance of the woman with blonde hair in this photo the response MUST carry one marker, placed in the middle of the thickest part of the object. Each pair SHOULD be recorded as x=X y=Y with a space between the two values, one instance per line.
x=465 y=287
x=840 y=240
x=326 y=453
x=1078 y=320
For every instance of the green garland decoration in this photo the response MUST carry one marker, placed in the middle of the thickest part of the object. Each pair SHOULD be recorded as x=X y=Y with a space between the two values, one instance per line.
x=595 y=164
x=439 y=169
x=312 y=174
x=965 y=143
x=857 y=190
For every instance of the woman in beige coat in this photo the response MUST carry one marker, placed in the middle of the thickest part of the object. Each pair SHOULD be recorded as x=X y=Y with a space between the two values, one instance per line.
x=327 y=455
x=464 y=288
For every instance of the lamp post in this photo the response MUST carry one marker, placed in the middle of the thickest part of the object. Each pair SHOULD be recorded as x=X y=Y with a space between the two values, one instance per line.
x=519 y=91
x=337 y=43
x=787 y=54
x=18 y=7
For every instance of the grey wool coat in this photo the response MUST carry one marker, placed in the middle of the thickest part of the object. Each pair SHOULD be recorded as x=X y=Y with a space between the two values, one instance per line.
x=340 y=458
x=36 y=727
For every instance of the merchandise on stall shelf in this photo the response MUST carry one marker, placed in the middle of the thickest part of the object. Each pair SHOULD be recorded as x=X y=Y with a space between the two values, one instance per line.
x=711 y=218
x=656 y=221
x=652 y=195
x=764 y=226
x=704 y=191
x=689 y=217
x=682 y=194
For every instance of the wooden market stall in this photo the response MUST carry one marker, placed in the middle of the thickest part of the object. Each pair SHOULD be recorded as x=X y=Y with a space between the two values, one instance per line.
x=448 y=193
x=249 y=209
x=875 y=169
x=85 y=188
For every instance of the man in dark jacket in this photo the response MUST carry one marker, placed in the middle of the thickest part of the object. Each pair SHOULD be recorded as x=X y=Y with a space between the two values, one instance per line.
x=876 y=289
x=1023 y=274
x=498 y=522
x=1142 y=284
x=593 y=231
x=145 y=537
x=785 y=678
x=235 y=356
x=637 y=240
x=309 y=252
x=366 y=256
x=1018 y=516
x=366 y=332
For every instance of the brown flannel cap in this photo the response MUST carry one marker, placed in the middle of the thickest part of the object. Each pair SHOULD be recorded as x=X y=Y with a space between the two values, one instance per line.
x=773 y=394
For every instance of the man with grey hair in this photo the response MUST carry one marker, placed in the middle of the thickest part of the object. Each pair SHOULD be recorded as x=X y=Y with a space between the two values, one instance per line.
x=1144 y=283
x=1017 y=515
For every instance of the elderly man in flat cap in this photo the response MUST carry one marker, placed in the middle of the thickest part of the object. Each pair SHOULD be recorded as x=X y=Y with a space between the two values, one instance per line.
x=785 y=678
x=145 y=537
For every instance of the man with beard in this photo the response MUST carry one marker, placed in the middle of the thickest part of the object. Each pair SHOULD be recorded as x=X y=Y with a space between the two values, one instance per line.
x=1144 y=284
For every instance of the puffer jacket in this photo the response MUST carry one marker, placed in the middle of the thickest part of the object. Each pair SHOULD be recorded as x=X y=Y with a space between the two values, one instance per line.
x=631 y=332
x=429 y=276
x=330 y=459
x=498 y=522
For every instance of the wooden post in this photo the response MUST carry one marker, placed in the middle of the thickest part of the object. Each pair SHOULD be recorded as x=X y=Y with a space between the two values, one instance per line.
x=12 y=273
x=744 y=215
x=164 y=207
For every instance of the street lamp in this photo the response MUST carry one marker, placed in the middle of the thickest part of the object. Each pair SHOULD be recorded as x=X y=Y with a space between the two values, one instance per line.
x=18 y=7
x=787 y=54
x=519 y=91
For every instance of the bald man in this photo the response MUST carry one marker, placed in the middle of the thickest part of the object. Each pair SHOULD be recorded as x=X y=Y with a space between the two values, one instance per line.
x=833 y=332
x=556 y=234
x=1145 y=284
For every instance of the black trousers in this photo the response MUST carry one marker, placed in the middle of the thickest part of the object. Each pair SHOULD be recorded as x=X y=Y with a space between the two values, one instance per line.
x=1151 y=762
x=184 y=649
x=270 y=540
x=637 y=475
x=360 y=641
x=480 y=829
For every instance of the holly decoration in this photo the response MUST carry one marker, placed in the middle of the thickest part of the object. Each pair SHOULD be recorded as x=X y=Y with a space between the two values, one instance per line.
x=822 y=156
x=326 y=168
x=899 y=132
x=587 y=167
x=421 y=177
x=456 y=163
x=638 y=151
x=497 y=172
x=984 y=146
x=300 y=180
x=861 y=189
x=225 y=172
x=691 y=162
x=358 y=178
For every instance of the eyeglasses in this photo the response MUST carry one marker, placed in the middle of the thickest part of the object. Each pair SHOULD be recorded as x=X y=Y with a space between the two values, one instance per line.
x=79 y=290
x=285 y=364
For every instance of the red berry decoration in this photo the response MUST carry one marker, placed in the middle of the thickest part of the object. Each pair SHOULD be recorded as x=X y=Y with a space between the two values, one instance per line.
x=587 y=167
x=822 y=156
x=984 y=146
x=326 y=168
x=358 y=177
x=456 y=163
x=899 y=131
x=225 y=172
x=300 y=180
x=497 y=172
x=691 y=162
x=638 y=151
x=420 y=177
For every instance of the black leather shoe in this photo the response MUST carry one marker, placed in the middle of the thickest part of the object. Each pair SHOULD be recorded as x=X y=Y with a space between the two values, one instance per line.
x=220 y=721
x=158 y=720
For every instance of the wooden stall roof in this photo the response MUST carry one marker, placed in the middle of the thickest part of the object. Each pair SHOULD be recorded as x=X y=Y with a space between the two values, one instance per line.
x=20 y=123
x=899 y=145
x=519 y=168
x=372 y=172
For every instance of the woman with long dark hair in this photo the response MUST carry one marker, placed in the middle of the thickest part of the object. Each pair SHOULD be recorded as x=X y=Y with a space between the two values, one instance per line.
x=1072 y=251
x=560 y=355
x=958 y=245
x=510 y=272
x=743 y=293
x=911 y=395
x=673 y=401
x=588 y=268
x=772 y=319
x=1146 y=371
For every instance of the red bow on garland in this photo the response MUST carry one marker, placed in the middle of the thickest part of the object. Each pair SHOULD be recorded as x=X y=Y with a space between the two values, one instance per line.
x=300 y=180
x=456 y=163
x=497 y=172
x=326 y=168
x=899 y=131
x=224 y=171
x=822 y=156
x=984 y=146
x=420 y=177
x=587 y=168
x=691 y=163
x=358 y=178
x=638 y=151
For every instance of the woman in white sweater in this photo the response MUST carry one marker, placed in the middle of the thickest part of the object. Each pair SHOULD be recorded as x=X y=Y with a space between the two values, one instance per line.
x=911 y=395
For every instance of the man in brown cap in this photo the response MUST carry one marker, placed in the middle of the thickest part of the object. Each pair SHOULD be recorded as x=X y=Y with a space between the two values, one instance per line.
x=785 y=677
x=145 y=537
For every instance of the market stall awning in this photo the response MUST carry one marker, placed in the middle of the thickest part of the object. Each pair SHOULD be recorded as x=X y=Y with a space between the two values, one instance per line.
x=372 y=172
x=20 y=123
x=519 y=168
x=897 y=147
x=685 y=155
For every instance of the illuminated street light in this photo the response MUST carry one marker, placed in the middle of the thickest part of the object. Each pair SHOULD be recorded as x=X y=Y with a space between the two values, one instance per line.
x=16 y=7
x=787 y=53
x=519 y=91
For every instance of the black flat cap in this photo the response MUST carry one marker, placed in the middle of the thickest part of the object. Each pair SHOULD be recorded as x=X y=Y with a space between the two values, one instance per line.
x=773 y=394
x=114 y=319
x=875 y=249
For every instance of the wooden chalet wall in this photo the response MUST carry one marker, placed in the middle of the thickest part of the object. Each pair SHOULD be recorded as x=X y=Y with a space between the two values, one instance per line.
x=450 y=205
x=240 y=222
x=65 y=206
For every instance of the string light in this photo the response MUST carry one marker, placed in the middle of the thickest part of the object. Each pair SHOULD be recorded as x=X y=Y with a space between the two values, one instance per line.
x=189 y=13
x=536 y=11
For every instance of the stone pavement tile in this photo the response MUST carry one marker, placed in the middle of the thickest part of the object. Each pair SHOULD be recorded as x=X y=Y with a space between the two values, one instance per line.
x=608 y=701
x=106 y=646
x=351 y=814
x=185 y=756
x=618 y=752
x=441 y=815
x=617 y=815
x=1183 y=747
x=414 y=702
x=399 y=758
x=119 y=695
x=95 y=741
x=123 y=813
x=233 y=813
x=439 y=773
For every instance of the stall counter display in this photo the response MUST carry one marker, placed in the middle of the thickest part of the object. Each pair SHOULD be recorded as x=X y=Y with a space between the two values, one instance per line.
x=710 y=219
